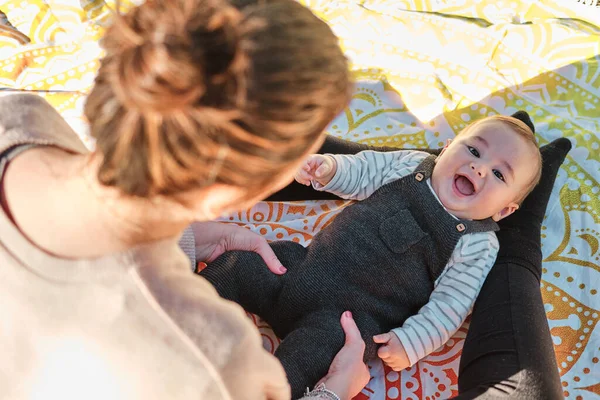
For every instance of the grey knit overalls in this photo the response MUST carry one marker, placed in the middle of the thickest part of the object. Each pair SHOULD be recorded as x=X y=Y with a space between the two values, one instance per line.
x=379 y=259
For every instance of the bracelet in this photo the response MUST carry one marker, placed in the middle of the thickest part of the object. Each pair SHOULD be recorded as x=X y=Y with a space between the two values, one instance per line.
x=320 y=389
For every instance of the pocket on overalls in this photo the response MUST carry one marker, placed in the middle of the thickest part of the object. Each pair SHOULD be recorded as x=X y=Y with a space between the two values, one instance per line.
x=400 y=232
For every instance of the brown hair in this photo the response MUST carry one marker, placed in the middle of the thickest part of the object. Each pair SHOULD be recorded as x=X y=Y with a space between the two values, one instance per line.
x=519 y=127
x=193 y=92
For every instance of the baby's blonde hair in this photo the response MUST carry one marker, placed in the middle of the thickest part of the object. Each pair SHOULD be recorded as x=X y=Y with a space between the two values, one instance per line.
x=519 y=127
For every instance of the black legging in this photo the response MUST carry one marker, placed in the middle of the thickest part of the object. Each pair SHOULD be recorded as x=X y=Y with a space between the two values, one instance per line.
x=508 y=351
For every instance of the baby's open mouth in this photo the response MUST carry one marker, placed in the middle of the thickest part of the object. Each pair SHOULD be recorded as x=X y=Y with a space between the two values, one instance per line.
x=464 y=185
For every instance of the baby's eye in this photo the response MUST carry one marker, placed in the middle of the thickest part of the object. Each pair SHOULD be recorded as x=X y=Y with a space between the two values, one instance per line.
x=499 y=175
x=473 y=151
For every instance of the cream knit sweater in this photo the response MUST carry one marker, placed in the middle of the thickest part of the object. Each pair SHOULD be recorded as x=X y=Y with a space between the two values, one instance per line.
x=134 y=325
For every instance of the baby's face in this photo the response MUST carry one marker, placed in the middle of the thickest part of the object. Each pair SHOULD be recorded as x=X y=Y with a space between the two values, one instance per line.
x=483 y=172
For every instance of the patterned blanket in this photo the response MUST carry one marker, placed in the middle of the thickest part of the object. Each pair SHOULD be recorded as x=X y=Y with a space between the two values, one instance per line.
x=425 y=69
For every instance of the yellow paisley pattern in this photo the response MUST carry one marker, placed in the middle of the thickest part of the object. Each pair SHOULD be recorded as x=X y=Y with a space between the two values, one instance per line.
x=425 y=69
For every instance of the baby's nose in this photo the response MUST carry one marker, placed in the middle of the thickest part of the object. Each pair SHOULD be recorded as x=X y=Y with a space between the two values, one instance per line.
x=478 y=169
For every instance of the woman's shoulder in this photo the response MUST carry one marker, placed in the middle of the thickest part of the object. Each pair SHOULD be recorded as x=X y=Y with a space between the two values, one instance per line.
x=30 y=119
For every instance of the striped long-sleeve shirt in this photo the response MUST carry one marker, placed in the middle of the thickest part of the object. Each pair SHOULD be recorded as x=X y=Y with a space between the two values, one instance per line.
x=457 y=287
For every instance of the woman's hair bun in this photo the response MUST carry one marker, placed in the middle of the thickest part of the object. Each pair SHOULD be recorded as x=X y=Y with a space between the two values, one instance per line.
x=167 y=56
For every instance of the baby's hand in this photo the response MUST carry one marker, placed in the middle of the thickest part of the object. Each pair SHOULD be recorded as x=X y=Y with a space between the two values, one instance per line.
x=392 y=352
x=317 y=168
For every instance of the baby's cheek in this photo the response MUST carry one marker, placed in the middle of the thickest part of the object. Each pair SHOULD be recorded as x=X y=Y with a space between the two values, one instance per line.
x=502 y=198
x=489 y=201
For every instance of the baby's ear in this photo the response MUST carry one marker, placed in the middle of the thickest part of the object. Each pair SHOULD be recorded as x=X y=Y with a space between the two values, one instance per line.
x=505 y=212
x=445 y=147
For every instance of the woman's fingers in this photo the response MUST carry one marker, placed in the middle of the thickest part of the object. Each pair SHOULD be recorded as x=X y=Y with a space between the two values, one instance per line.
x=268 y=255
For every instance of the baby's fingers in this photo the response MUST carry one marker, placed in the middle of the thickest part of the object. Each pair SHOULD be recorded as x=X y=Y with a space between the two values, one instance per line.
x=303 y=177
x=384 y=352
x=323 y=170
x=382 y=338
x=314 y=161
x=394 y=366
x=393 y=363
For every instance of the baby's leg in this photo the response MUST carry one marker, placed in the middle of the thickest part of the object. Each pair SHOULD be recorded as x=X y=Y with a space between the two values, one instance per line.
x=243 y=277
x=307 y=351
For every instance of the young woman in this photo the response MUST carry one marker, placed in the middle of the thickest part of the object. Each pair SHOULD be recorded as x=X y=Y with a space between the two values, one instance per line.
x=199 y=108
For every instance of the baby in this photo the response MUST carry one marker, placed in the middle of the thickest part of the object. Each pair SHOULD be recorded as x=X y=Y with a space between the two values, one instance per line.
x=408 y=260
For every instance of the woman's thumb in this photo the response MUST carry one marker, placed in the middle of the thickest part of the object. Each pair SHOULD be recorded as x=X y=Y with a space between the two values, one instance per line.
x=349 y=327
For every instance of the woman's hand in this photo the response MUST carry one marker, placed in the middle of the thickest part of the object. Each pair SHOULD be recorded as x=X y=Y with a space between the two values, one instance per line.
x=215 y=238
x=348 y=374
